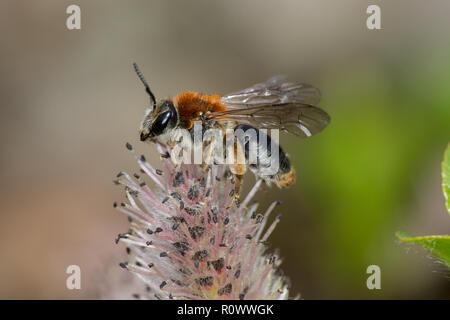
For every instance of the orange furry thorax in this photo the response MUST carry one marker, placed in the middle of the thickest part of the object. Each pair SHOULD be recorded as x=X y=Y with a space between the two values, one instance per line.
x=192 y=104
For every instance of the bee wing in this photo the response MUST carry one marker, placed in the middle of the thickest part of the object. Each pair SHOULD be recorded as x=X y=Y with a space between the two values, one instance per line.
x=300 y=119
x=275 y=90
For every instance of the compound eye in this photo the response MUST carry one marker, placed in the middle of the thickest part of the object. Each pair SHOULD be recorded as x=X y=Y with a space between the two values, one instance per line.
x=161 y=123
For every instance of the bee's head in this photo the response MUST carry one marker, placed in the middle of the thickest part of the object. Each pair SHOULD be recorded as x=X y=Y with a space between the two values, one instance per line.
x=160 y=118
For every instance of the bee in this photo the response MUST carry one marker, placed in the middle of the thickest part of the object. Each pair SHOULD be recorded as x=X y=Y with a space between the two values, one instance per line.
x=272 y=104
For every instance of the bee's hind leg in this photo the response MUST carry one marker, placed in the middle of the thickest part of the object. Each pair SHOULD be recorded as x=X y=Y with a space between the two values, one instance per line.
x=208 y=159
x=237 y=169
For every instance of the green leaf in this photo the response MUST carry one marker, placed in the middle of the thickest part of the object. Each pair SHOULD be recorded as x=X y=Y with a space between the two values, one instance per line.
x=439 y=246
x=445 y=172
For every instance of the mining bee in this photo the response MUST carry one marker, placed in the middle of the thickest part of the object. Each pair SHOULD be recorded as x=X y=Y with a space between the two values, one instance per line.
x=272 y=104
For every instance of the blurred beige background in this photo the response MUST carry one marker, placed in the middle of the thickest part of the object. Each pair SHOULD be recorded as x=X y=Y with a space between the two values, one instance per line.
x=70 y=100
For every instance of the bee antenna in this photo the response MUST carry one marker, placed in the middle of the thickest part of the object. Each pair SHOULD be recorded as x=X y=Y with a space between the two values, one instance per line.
x=147 y=87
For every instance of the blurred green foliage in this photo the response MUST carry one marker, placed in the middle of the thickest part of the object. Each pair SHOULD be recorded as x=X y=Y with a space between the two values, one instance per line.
x=445 y=172
x=439 y=246
x=360 y=173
